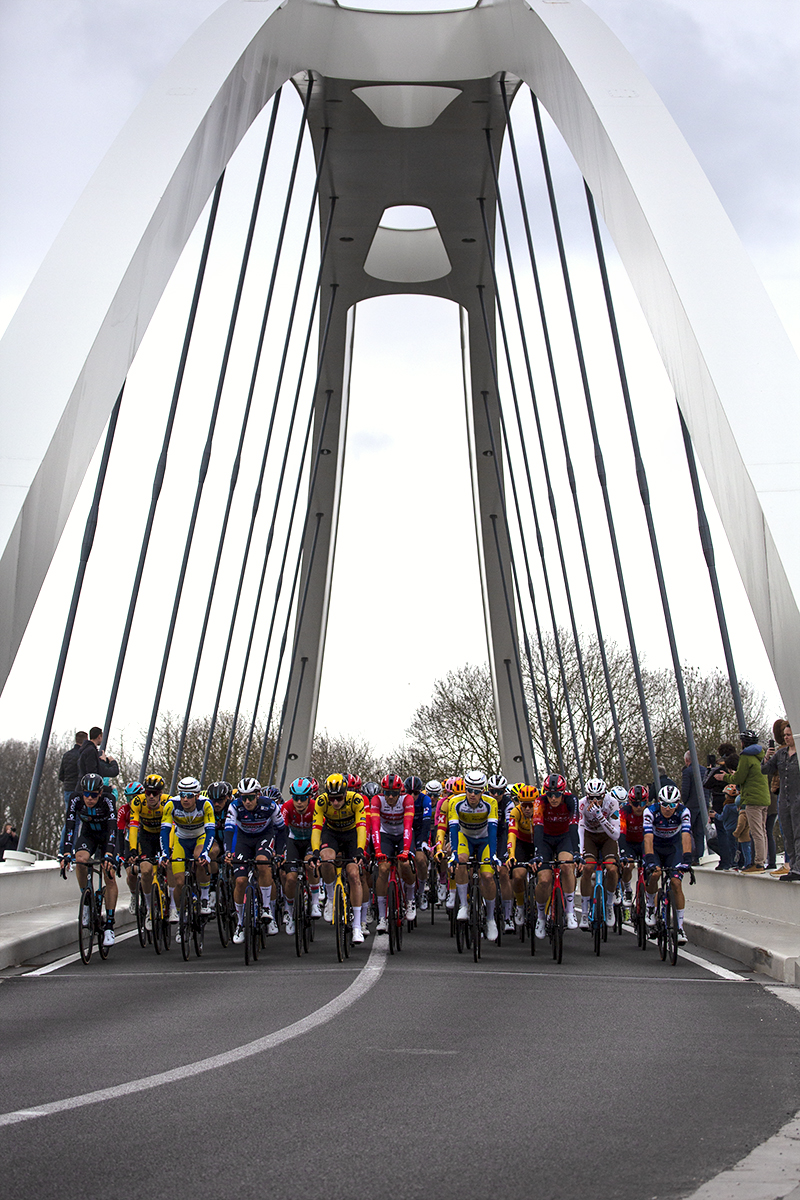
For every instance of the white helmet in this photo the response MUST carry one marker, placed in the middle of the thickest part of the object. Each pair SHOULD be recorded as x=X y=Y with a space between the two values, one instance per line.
x=434 y=788
x=189 y=786
x=248 y=786
x=669 y=795
x=497 y=783
x=620 y=794
x=596 y=789
x=474 y=779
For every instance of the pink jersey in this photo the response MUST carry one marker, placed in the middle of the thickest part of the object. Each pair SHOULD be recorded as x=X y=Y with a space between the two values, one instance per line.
x=392 y=816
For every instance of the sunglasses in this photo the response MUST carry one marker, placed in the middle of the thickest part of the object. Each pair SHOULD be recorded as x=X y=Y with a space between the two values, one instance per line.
x=193 y=796
x=474 y=791
x=92 y=795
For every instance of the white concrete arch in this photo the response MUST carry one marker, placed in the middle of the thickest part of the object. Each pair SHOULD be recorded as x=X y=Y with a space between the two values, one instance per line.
x=723 y=346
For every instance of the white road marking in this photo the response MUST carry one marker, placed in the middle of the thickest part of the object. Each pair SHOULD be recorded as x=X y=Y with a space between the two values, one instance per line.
x=366 y=979
x=723 y=972
x=71 y=958
x=405 y=1050
x=772 y=1170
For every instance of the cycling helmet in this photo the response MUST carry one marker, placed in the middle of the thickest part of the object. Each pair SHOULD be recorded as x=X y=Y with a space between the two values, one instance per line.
x=189 y=786
x=336 y=784
x=638 y=794
x=371 y=789
x=619 y=794
x=392 y=783
x=555 y=783
x=749 y=737
x=434 y=788
x=497 y=783
x=458 y=784
x=248 y=786
x=221 y=790
x=354 y=783
x=314 y=787
x=154 y=783
x=133 y=790
x=527 y=793
x=413 y=784
x=450 y=784
x=301 y=789
x=474 y=780
x=596 y=789
x=91 y=783
x=272 y=793
x=514 y=789
x=669 y=796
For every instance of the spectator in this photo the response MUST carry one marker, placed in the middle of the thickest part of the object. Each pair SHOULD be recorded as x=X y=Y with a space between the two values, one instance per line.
x=8 y=839
x=690 y=798
x=754 y=791
x=783 y=761
x=68 y=774
x=663 y=781
x=92 y=762
x=726 y=845
x=727 y=818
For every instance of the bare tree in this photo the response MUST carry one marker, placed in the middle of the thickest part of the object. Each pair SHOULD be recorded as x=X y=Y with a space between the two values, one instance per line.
x=340 y=753
x=457 y=728
x=17 y=761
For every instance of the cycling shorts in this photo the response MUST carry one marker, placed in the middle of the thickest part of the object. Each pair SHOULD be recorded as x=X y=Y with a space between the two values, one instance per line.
x=524 y=851
x=392 y=844
x=632 y=849
x=183 y=849
x=149 y=845
x=249 y=848
x=479 y=846
x=597 y=847
x=668 y=854
x=296 y=851
x=94 y=846
x=344 y=842
x=553 y=846
x=416 y=842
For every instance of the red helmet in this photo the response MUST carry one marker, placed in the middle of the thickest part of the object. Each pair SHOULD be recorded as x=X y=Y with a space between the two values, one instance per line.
x=392 y=783
x=354 y=783
x=555 y=783
x=314 y=787
x=639 y=794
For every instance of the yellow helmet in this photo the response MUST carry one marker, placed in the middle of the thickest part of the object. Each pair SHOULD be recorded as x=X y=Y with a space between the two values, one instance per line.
x=336 y=784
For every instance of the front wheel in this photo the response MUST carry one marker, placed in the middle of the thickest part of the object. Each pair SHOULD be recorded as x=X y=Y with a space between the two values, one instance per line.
x=86 y=931
x=156 y=918
x=557 y=917
x=197 y=925
x=339 y=923
x=185 y=921
x=597 y=922
x=475 y=922
x=672 y=932
x=661 y=927
x=141 y=914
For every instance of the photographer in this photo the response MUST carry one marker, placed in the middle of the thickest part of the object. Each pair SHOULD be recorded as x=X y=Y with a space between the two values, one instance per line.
x=8 y=839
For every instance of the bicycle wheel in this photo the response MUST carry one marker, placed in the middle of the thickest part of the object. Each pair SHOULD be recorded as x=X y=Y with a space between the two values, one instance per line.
x=557 y=918
x=256 y=924
x=475 y=901
x=185 y=921
x=597 y=919
x=530 y=913
x=248 y=928
x=141 y=914
x=672 y=932
x=224 y=904
x=305 y=908
x=661 y=925
x=298 y=916
x=618 y=919
x=499 y=916
x=86 y=932
x=460 y=929
x=166 y=928
x=156 y=917
x=197 y=924
x=339 y=918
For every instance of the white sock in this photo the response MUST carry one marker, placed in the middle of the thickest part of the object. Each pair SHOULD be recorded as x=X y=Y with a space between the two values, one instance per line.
x=357 y=917
x=148 y=899
x=540 y=910
x=569 y=902
x=650 y=900
x=266 y=896
x=364 y=913
x=679 y=914
x=381 y=907
x=240 y=913
x=411 y=889
x=507 y=904
x=461 y=889
x=585 y=901
x=204 y=892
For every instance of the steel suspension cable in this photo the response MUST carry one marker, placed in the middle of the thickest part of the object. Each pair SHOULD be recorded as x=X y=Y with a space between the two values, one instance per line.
x=234 y=478
x=598 y=454
x=282 y=473
x=263 y=466
x=543 y=453
x=161 y=465
x=83 y=561
x=279 y=584
x=564 y=436
x=708 y=552
x=534 y=507
x=644 y=492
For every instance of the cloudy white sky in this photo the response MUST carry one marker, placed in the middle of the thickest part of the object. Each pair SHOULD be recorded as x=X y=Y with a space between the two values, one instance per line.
x=72 y=72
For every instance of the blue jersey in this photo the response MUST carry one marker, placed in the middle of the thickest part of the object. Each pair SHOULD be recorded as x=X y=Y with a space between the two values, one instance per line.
x=423 y=815
x=263 y=821
x=669 y=828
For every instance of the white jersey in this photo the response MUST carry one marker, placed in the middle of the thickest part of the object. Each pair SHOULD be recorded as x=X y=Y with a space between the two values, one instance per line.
x=598 y=818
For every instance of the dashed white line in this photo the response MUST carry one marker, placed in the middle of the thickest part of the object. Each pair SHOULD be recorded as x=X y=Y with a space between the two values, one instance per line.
x=366 y=979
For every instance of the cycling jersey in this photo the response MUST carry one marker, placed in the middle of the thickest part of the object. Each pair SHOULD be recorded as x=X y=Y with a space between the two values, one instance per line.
x=392 y=817
x=350 y=816
x=440 y=819
x=669 y=828
x=601 y=820
x=520 y=829
x=263 y=822
x=98 y=822
x=476 y=822
x=553 y=822
x=298 y=824
x=198 y=822
x=631 y=824
x=423 y=811
x=145 y=818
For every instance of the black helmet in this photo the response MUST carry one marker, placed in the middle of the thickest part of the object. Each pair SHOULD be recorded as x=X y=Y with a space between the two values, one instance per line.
x=414 y=784
x=749 y=737
x=220 y=791
x=91 y=784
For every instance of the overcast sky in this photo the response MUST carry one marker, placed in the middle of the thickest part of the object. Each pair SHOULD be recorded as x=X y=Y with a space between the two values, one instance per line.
x=72 y=72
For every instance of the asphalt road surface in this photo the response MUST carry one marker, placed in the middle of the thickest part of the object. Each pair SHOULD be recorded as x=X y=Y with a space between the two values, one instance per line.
x=426 y=1076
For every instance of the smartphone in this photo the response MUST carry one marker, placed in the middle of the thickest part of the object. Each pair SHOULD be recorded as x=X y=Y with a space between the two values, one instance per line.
x=712 y=760
x=771 y=743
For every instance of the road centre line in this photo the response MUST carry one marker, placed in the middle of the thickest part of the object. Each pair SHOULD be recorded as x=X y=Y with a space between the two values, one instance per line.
x=367 y=977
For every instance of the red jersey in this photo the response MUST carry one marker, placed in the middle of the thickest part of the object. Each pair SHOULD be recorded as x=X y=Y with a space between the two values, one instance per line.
x=299 y=824
x=393 y=818
x=631 y=825
x=555 y=821
x=123 y=817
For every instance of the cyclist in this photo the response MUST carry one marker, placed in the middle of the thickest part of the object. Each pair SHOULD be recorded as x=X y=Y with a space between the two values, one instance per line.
x=254 y=822
x=497 y=786
x=421 y=833
x=298 y=814
x=444 y=851
x=555 y=838
x=472 y=823
x=435 y=790
x=667 y=843
x=631 y=837
x=598 y=833
x=187 y=829
x=355 y=784
x=91 y=832
x=340 y=827
x=220 y=794
x=392 y=825
x=147 y=810
x=124 y=854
